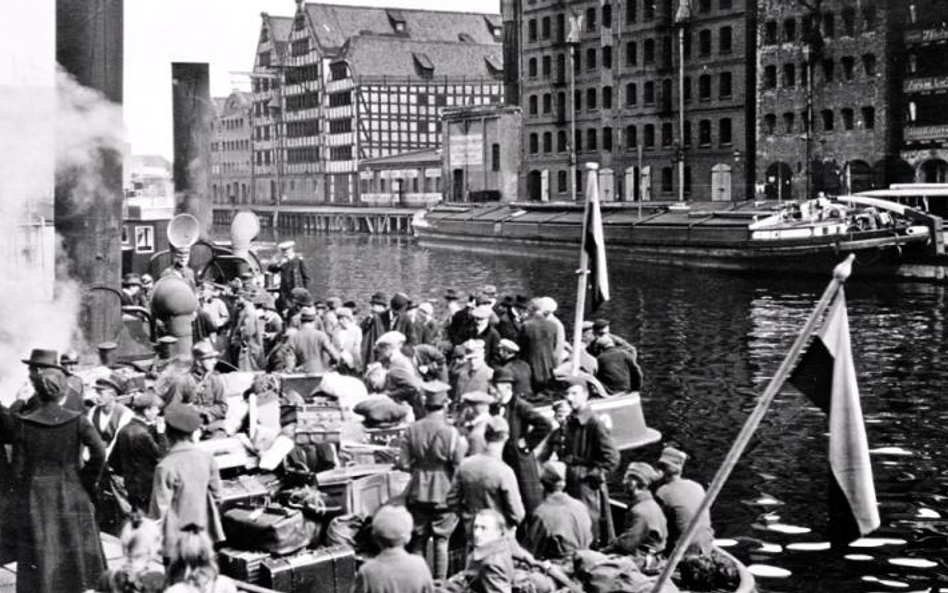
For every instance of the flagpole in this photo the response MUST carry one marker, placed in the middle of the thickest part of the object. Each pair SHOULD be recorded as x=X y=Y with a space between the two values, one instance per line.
x=592 y=170
x=840 y=274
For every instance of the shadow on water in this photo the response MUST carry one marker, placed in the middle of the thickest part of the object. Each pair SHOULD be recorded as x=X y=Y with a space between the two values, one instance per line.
x=708 y=343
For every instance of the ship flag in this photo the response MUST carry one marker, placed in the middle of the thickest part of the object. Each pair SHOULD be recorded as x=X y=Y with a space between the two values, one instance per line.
x=827 y=376
x=575 y=26
x=595 y=245
x=683 y=14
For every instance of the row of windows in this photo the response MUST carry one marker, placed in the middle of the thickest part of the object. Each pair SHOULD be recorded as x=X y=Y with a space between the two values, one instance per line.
x=827 y=118
x=307 y=154
x=301 y=74
x=233 y=167
x=340 y=126
x=594 y=99
x=341 y=98
x=308 y=100
x=340 y=153
x=229 y=145
x=667 y=180
x=263 y=85
x=381 y=185
x=302 y=128
x=825 y=23
x=590 y=139
x=830 y=73
x=232 y=124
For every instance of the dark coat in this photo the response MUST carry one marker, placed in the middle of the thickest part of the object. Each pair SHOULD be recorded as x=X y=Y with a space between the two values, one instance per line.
x=618 y=371
x=7 y=500
x=394 y=571
x=210 y=398
x=491 y=342
x=646 y=529
x=590 y=456
x=523 y=378
x=559 y=527
x=432 y=450
x=462 y=327
x=137 y=451
x=58 y=548
x=293 y=274
x=373 y=327
x=537 y=343
x=680 y=499
x=530 y=427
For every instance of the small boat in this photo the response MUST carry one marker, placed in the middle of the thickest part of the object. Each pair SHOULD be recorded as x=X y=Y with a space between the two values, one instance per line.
x=805 y=238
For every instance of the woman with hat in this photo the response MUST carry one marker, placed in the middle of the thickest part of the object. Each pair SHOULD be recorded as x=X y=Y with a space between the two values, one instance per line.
x=58 y=546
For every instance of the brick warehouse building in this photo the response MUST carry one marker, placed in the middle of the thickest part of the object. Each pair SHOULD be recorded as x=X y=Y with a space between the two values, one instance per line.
x=338 y=84
x=231 y=165
x=925 y=88
x=829 y=96
x=625 y=97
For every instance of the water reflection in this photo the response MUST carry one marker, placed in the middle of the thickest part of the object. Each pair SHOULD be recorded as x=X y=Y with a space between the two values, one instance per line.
x=709 y=342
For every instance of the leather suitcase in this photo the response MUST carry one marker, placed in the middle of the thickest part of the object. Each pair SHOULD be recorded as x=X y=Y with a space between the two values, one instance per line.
x=243 y=565
x=248 y=490
x=275 y=529
x=327 y=570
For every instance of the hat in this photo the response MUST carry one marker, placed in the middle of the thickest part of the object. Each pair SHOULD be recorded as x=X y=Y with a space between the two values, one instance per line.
x=588 y=325
x=482 y=300
x=426 y=307
x=182 y=418
x=131 y=279
x=489 y=290
x=644 y=472
x=320 y=305
x=204 y=349
x=481 y=312
x=477 y=397
x=502 y=375
x=605 y=342
x=392 y=338
x=473 y=347
x=104 y=383
x=600 y=324
x=436 y=393
x=147 y=279
x=106 y=346
x=399 y=301
x=451 y=294
x=51 y=384
x=69 y=357
x=508 y=345
x=392 y=524
x=546 y=305
x=167 y=340
x=308 y=313
x=286 y=245
x=672 y=458
x=379 y=299
x=334 y=303
x=299 y=294
x=344 y=313
x=42 y=358
x=146 y=400
x=496 y=428
x=521 y=302
x=351 y=305
x=553 y=472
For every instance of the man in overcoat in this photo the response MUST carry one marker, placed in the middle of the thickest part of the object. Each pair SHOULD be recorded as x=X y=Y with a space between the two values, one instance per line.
x=139 y=446
x=527 y=429
x=432 y=450
x=590 y=456
x=537 y=342
x=292 y=270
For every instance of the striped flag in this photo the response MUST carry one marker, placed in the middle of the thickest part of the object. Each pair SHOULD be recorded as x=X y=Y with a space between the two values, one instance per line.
x=827 y=376
x=598 y=278
x=575 y=26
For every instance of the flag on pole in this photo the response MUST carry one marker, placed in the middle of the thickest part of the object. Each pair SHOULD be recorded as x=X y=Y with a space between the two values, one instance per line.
x=595 y=245
x=683 y=14
x=827 y=376
x=575 y=27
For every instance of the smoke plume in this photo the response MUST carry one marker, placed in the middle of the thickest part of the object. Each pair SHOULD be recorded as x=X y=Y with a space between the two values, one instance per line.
x=54 y=136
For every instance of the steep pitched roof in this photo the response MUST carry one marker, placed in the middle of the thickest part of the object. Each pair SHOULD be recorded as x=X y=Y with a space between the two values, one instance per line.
x=375 y=56
x=334 y=24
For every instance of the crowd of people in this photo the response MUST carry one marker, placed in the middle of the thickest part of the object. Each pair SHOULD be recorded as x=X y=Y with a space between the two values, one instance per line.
x=522 y=487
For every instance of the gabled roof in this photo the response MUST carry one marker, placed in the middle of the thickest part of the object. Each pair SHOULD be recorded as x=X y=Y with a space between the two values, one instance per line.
x=334 y=24
x=376 y=56
x=278 y=28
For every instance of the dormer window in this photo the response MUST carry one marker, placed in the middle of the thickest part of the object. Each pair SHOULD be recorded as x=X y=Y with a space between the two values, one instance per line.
x=495 y=66
x=264 y=35
x=338 y=71
x=299 y=23
x=423 y=64
x=494 y=27
x=397 y=20
x=465 y=38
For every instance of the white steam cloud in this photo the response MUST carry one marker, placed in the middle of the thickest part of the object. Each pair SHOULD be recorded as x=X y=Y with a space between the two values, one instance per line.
x=53 y=135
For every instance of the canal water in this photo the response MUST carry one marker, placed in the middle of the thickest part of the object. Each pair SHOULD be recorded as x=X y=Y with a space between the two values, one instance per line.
x=708 y=343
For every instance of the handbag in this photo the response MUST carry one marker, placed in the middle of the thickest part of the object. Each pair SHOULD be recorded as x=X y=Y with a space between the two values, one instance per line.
x=276 y=529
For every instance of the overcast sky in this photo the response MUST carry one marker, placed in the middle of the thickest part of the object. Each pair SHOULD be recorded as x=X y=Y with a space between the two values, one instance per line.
x=220 y=32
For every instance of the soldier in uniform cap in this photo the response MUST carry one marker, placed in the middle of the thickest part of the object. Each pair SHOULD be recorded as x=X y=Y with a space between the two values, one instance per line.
x=431 y=451
x=680 y=499
x=209 y=397
x=474 y=417
x=187 y=484
x=484 y=481
x=139 y=446
x=163 y=355
x=560 y=525
x=646 y=528
x=180 y=268
x=292 y=270
x=75 y=388
x=109 y=416
x=393 y=570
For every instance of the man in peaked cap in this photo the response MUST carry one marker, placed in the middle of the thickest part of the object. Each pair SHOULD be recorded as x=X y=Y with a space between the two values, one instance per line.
x=560 y=525
x=209 y=394
x=680 y=499
x=109 y=415
x=431 y=451
x=75 y=388
x=393 y=569
x=293 y=272
x=646 y=528
x=484 y=481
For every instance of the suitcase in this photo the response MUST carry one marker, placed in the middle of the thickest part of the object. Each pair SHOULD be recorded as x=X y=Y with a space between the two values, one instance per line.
x=327 y=570
x=362 y=494
x=318 y=422
x=243 y=565
x=275 y=529
x=244 y=490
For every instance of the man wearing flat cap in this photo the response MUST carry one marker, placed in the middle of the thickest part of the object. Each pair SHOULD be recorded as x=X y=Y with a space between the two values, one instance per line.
x=680 y=498
x=179 y=267
x=590 y=455
x=187 y=484
x=646 y=529
x=210 y=399
x=139 y=447
x=484 y=481
x=560 y=525
x=292 y=270
x=393 y=570
x=431 y=451
x=508 y=359
x=109 y=416
x=471 y=373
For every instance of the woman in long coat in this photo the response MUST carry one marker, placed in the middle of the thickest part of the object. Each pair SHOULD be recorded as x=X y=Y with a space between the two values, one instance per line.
x=58 y=547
